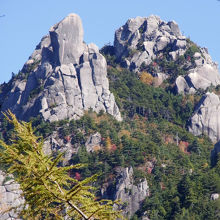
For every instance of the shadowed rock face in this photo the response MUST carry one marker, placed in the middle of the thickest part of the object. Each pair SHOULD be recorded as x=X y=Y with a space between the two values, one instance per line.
x=130 y=195
x=214 y=156
x=142 y=40
x=62 y=78
x=206 y=118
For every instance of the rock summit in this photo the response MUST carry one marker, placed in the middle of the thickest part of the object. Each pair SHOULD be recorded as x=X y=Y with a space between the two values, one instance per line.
x=62 y=78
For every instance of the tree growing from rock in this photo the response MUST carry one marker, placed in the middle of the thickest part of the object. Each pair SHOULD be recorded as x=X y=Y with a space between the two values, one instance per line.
x=49 y=191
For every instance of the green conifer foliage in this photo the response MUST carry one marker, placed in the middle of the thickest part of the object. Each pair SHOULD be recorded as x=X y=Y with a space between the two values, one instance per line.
x=49 y=191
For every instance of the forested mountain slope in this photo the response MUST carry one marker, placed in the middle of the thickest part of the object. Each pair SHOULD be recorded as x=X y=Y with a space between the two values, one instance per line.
x=134 y=120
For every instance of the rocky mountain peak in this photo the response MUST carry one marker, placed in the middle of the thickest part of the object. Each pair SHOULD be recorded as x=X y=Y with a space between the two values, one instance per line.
x=62 y=78
x=140 y=30
x=158 y=47
x=67 y=40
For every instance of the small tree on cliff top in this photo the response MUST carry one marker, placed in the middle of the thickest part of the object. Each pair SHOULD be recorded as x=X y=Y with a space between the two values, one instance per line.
x=49 y=191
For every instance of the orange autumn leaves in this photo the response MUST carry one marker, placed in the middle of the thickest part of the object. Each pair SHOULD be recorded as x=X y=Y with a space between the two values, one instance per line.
x=109 y=146
x=146 y=78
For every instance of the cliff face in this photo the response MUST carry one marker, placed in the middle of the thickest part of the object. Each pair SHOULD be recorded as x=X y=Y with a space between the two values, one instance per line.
x=125 y=190
x=130 y=194
x=206 y=118
x=62 y=78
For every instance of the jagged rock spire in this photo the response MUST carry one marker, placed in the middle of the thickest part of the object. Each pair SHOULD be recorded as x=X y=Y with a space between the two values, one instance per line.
x=62 y=78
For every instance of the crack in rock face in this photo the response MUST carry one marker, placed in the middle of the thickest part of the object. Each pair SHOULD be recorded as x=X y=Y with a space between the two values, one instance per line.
x=62 y=78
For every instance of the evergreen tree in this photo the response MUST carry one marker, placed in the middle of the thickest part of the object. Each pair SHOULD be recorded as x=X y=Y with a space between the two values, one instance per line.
x=49 y=192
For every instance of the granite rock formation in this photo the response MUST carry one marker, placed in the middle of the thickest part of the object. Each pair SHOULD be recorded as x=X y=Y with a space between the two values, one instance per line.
x=129 y=193
x=201 y=77
x=54 y=144
x=62 y=78
x=206 y=119
x=93 y=142
x=141 y=42
x=10 y=197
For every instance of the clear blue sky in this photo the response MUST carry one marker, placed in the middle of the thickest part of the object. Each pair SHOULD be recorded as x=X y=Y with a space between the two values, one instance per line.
x=27 y=21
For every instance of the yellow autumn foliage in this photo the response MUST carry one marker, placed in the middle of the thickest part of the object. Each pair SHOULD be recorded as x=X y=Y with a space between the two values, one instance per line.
x=146 y=78
x=49 y=191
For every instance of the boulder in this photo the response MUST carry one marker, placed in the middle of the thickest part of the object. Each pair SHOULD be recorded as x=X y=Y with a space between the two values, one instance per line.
x=159 y=78
x=162 y=42
x=214 y=196
x=174 y=28
x=63 y=78
x=205 y=76
x=201 y=77
x=93 y=142
x=182 y=86
x=138 y=59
